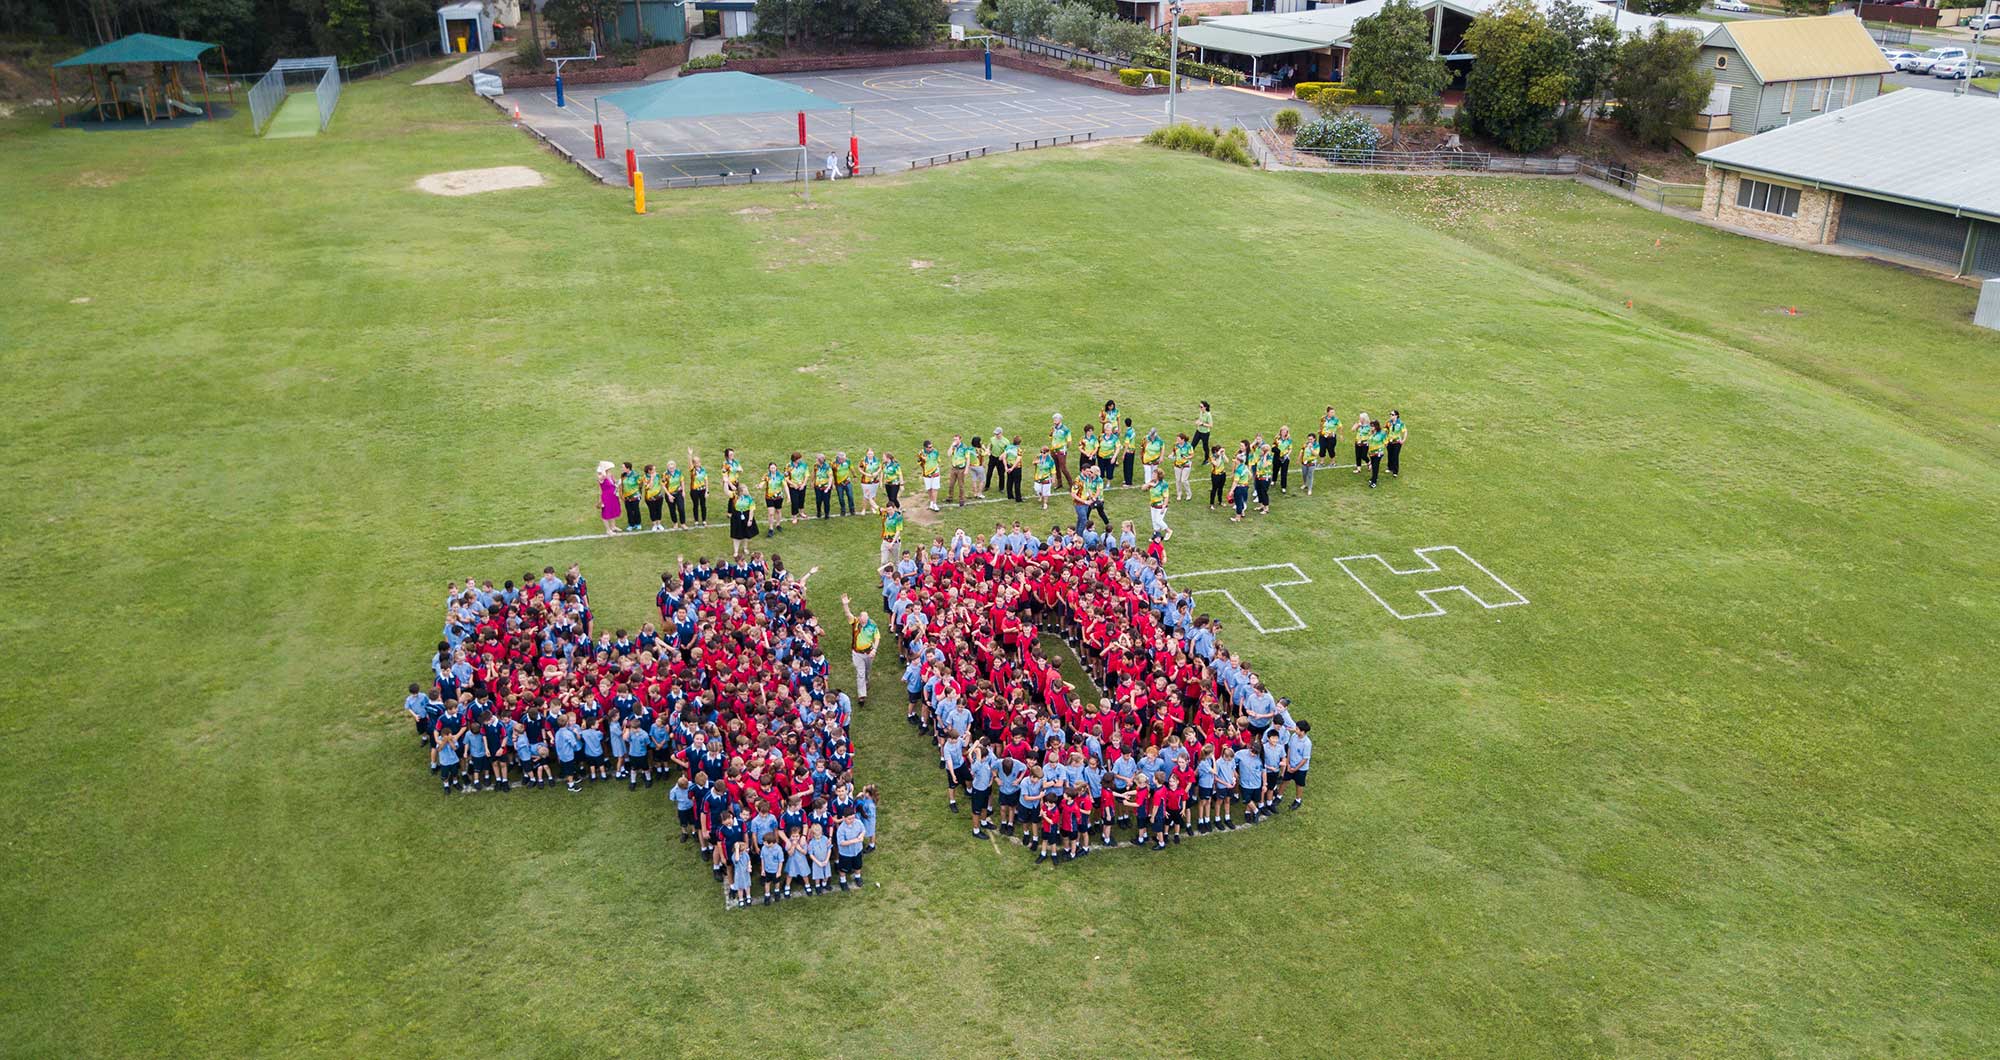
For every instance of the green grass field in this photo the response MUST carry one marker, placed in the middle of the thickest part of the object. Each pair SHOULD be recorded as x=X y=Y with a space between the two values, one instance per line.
x=1725 y=787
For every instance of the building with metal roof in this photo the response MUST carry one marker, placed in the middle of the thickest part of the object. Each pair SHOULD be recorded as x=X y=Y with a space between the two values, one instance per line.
x=1783 y=70
x=1913 y=176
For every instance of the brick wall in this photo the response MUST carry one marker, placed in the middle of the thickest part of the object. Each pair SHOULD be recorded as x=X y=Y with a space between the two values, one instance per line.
x=651 y=61
x=804 y=64
x=1817 y=220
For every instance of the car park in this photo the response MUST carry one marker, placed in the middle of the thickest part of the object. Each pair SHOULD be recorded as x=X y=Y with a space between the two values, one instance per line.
x=1922 y=64
x=1957 y=69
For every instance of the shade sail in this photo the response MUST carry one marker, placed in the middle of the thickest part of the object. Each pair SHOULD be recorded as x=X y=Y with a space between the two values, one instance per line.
x=1240 y=42
x=140 y=48
x=715 y=95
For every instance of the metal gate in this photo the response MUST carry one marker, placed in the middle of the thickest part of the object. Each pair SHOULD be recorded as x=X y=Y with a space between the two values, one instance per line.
x=1892 y=228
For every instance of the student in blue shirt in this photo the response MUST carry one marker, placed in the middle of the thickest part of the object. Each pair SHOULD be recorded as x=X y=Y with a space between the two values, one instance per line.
x=1010 y=771
x=819 y=856
x=771 y=851
x=979 y=770
x=1274 y=768
x=762 y=825
x=568 y=745
x=447 y=759
x=1204 y=781
x=952 y=752
x=1030 y=799
x=638 y=757
x=739 y=863
x=848 y=839
x=478 y=758
x=1299 y=759
x=1249 y=782
x=417 y=703
x=866 y=807
x=1225 y=789
x=683 y=798
x=593 y=752
x=797 y=865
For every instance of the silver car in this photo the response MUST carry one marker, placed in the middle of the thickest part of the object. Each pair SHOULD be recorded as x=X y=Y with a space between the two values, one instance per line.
x=1957 y=69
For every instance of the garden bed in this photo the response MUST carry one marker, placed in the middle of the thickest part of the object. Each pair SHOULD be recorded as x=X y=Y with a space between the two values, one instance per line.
x=794 y=61
x=516 y=73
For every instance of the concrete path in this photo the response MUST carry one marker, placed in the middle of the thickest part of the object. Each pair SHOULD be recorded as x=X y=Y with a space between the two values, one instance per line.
x=697 y=48
x=466 y=67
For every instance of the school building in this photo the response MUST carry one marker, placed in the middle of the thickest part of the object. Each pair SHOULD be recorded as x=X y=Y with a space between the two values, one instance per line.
x=1909 y=176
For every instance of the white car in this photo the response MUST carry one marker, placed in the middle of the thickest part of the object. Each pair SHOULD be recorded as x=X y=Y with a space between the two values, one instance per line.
x=1736 y=7
x=1980 y=22
x=1897 y=58
x=1957 y=69
x=1922 y=64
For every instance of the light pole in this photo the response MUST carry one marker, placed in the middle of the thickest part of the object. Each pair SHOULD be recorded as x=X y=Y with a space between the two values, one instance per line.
x=1173 y=57
x=1971 y=62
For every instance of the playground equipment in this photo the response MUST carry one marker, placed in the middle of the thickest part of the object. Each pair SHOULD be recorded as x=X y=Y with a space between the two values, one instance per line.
x=559 y=60
x=272 y=92
x=145 y=72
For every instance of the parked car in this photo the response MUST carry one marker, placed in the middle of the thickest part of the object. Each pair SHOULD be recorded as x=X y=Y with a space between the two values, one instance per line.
x=1737 y=7
x=1897 y=58
x=1978 y=22
x=1957 y=69
x=1922 y=64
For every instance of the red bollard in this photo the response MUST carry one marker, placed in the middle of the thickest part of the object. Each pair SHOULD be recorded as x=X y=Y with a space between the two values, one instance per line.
x=597 y=134
x=631 y=166
x=853 y=153
x=802 y=128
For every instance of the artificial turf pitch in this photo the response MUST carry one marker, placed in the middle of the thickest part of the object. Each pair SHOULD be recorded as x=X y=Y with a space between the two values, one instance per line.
x=1726 y=786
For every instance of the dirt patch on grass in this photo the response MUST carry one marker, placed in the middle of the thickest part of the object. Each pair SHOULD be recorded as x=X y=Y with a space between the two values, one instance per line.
x=91 y=178
x=474 y=181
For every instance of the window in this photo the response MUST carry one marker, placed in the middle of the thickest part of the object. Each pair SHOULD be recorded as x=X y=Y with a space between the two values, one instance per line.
x=1791 y=93
x=1767 y=198
x=1820 y=89
x=1847 y=92
x=1722 y=62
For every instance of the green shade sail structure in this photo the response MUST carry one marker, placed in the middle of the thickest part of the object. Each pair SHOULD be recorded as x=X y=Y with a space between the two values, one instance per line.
x=1241 y=42
x=140 y=48
x=720 y=94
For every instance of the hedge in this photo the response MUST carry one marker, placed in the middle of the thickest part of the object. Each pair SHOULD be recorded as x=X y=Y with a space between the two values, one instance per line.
x=1221 y=75
x=704 y=62
x=1136 y=76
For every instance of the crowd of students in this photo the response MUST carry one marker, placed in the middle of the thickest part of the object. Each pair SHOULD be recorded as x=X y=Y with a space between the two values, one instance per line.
x=654 y=497
x=1183 y=739
x=728 y=694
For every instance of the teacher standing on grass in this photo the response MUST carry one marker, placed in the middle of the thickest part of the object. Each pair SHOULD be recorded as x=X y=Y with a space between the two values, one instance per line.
x=608 y=506
x=867 y=637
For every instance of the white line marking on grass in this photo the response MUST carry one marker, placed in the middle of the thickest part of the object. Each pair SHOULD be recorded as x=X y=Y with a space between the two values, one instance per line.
x=1431 y=567
x=1271 y=588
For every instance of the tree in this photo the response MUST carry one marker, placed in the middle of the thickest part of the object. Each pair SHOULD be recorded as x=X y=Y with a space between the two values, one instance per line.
x=1660 y=84
x=1521 y=77
x=1667 y=7
x=1074 y=24
x=1391 y=54
x=1024 y=18
x=1115 y=36
x=1593 y=43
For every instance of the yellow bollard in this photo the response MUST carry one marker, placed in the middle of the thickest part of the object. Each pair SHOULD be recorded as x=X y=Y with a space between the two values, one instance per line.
x=638 y=192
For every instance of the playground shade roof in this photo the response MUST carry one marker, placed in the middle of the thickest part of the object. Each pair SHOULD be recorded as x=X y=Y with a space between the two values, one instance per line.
x=140 y=48
x=1239 y=42
x=715 y=95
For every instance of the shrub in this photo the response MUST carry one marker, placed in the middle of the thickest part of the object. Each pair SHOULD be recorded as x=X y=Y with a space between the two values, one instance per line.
x=704 y=62
x=1115 y=36
x=1308 y=91
x=1155 y=54
x=1286 y=120
x=1341 y=132
x=1230 y=146
x=1136 y=77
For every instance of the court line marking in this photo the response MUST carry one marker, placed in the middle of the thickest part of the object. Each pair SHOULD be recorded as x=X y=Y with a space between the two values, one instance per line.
x=1270 y=589
x=1431 y=568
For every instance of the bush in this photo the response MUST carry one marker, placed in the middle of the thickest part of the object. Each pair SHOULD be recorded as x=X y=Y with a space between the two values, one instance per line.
x=1231 y=146
x=1115 y=36
x=1155 y=54
x=1135 y=77
x=1286 y=120
x=704 y=62
x=1074 y=24
x=1341 y=132
x=1308 y=91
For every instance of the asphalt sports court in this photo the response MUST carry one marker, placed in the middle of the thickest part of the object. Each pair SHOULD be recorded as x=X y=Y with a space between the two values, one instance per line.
x=901 y=114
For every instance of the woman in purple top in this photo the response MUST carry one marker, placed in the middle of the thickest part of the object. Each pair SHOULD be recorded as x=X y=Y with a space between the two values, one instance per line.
x=608 y=506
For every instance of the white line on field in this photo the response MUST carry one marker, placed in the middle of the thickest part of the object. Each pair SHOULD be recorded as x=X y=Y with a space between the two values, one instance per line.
x=1269 y=587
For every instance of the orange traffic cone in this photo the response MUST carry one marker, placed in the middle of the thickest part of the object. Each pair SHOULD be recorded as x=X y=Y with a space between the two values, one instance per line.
x=1628 y=303
x=517 y=112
